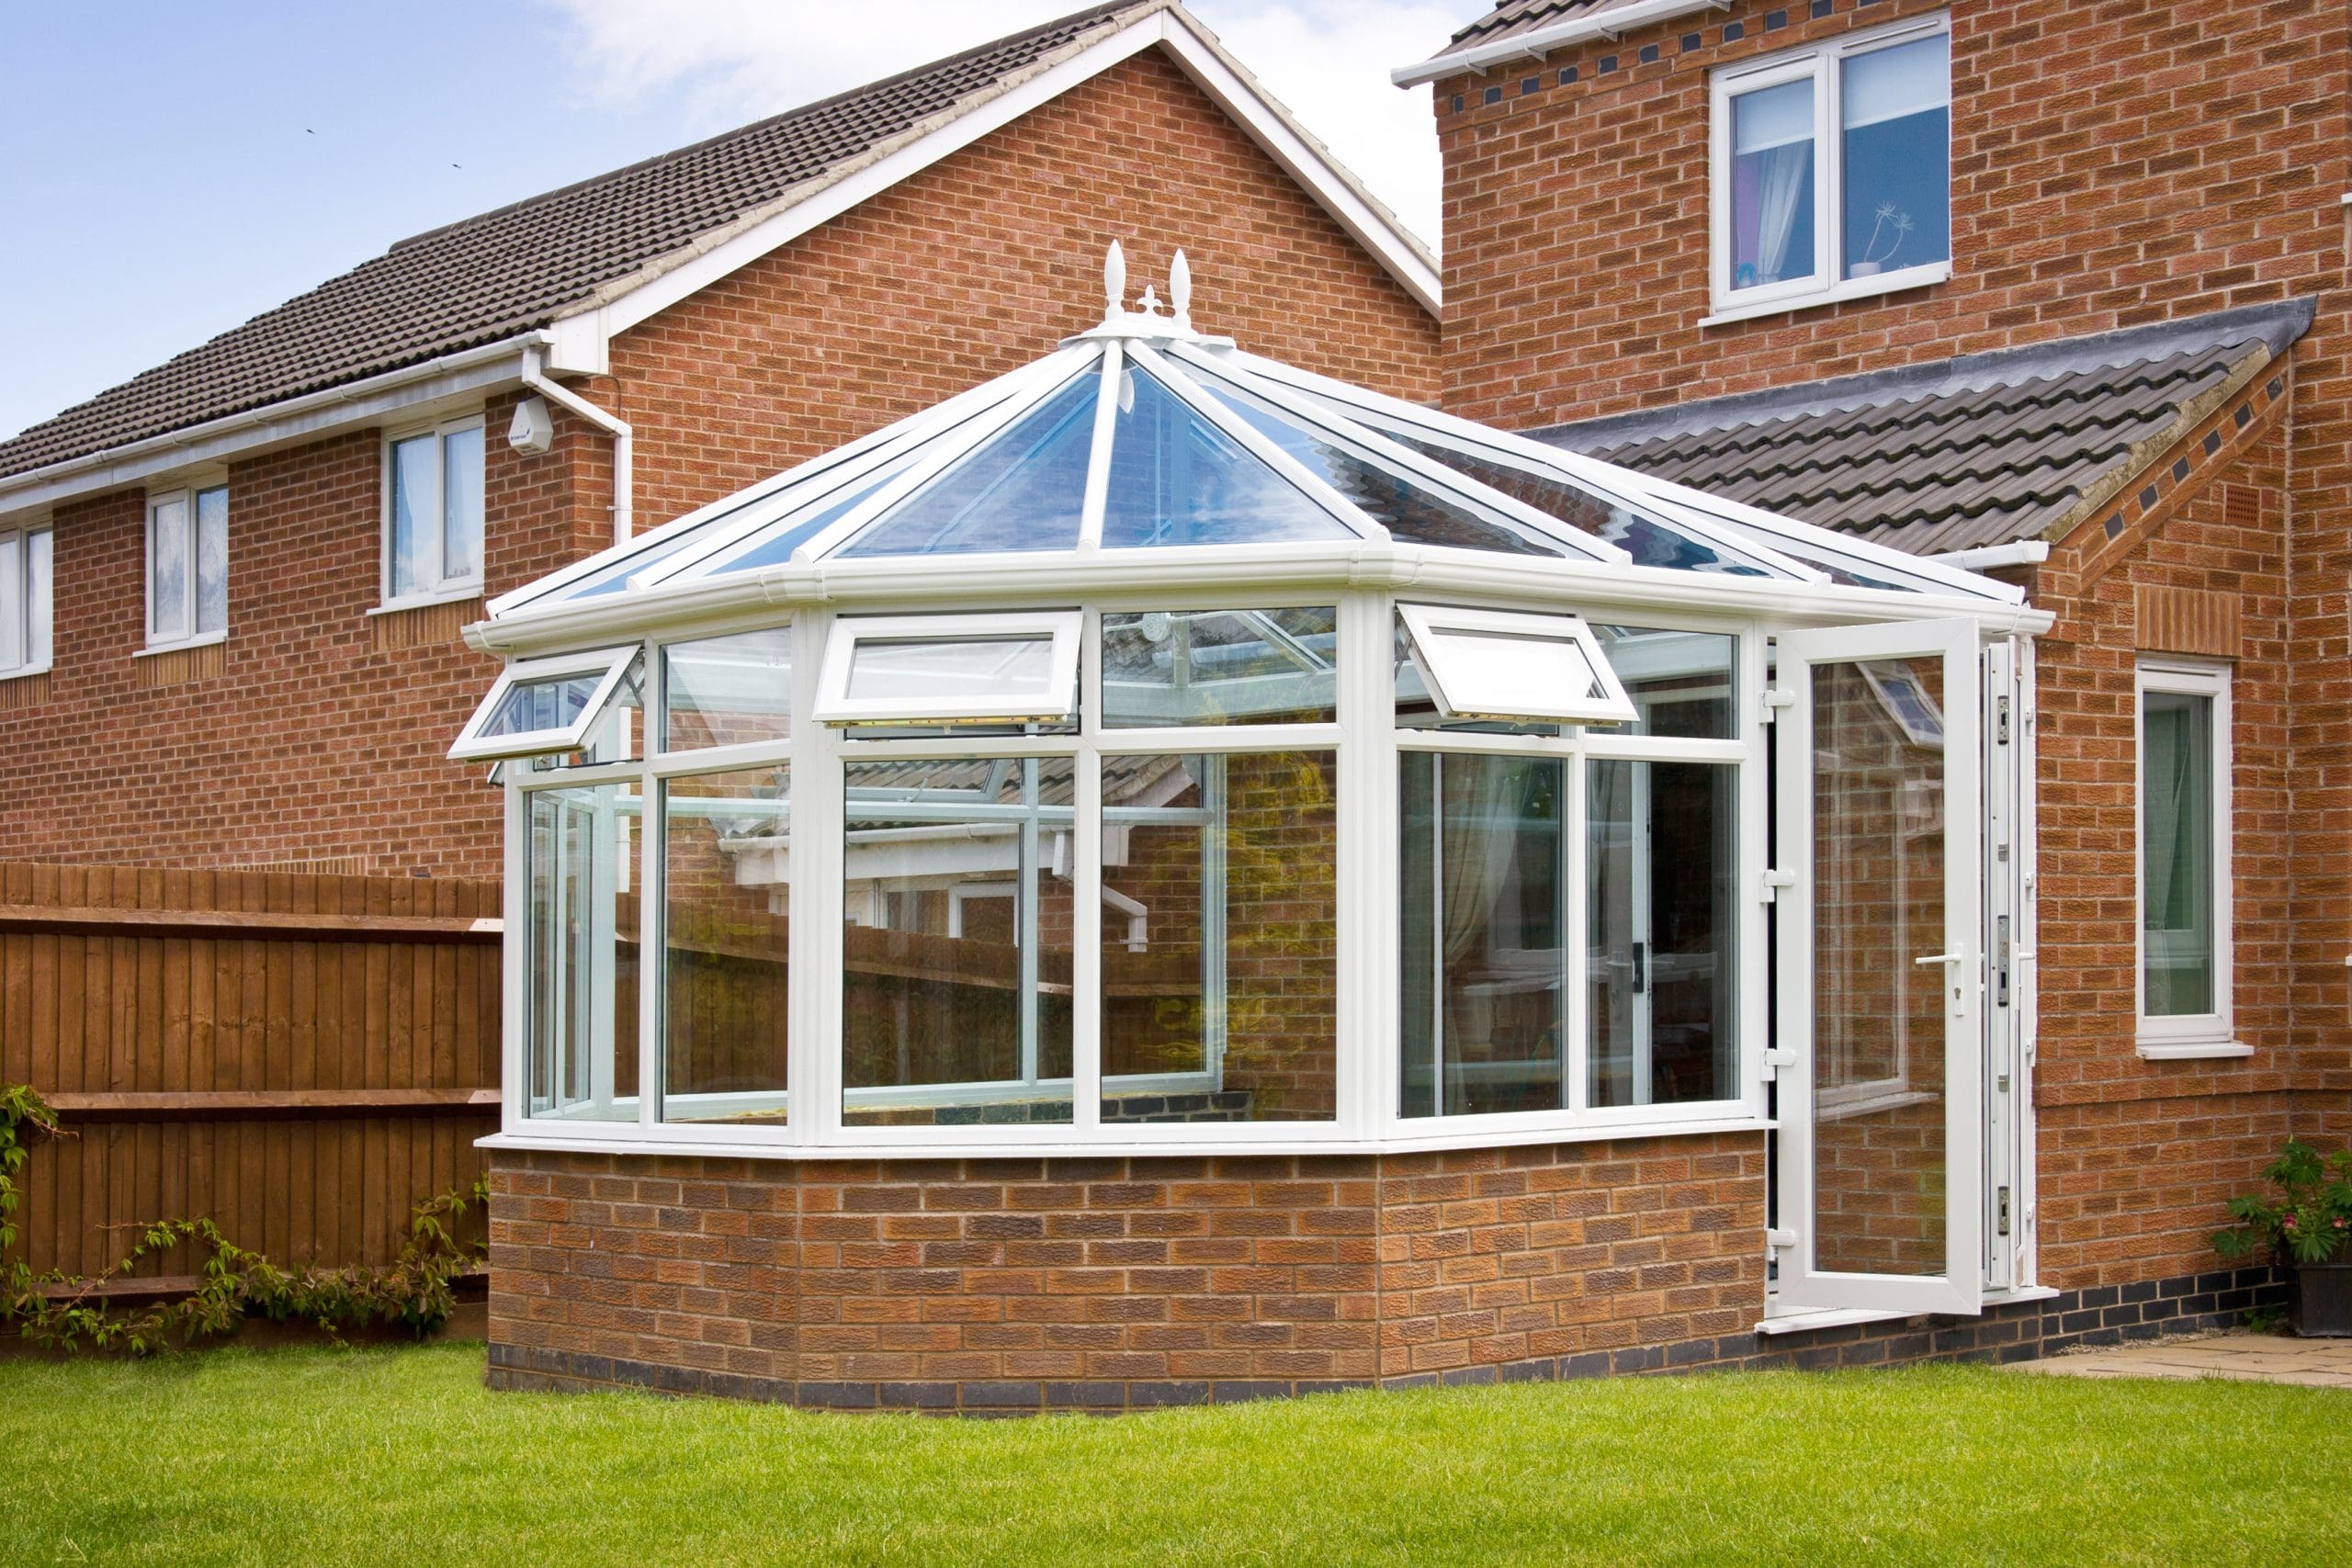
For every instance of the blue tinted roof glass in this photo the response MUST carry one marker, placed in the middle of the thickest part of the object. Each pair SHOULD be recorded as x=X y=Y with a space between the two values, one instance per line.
x=1178 y=480
x=1023 y=491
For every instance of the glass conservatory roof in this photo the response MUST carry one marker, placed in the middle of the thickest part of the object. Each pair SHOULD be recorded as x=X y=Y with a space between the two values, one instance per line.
x=1144 y=435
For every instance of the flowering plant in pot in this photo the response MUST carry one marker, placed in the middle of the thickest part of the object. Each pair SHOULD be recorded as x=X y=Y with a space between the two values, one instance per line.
x=2307 y=1225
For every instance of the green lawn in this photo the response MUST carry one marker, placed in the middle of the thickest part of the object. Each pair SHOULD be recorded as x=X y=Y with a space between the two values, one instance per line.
x=385 y=1456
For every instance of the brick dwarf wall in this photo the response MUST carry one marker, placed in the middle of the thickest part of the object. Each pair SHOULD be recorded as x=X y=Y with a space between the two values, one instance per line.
x=318 y=732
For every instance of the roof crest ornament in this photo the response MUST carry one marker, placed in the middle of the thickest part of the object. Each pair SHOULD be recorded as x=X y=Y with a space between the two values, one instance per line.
x=1152 y=317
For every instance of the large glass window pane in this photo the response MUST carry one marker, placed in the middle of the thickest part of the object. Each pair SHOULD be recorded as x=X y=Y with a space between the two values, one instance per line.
x=38 y=587
x=1177 y=480
x=1660 y=868
x=1025 y=489
x=1771 y=191
x=1483 y=928
x=2176 y=854
x=956 y=1005
x=1681 y=682
x=727 y=691
x=417 y=502
x=1220 y=938
x=167 y=565
x=580 y=1014
x=1163 y=667
x=211 y=560
x=726 y=901
x=1895 y=117
x=461 y=505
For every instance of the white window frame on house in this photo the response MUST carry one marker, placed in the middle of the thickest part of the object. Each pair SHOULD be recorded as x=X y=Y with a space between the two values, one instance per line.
x=2195 y=1034
x=1056 y=699
x=1821 y=65
x=28 y=590
x=437 y=585
x=192 y=632
x=609 y=665
x=1466 y=689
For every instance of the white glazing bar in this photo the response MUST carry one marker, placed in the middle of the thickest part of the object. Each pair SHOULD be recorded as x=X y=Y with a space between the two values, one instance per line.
x=1752 y=857
x=1086 y=845
x=1575 y=808
x=1098 y=458
x=1368 y=1010
x=813 y=1002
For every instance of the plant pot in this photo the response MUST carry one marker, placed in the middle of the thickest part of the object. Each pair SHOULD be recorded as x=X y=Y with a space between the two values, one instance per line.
x=1865 y=269
x=2322 y=1294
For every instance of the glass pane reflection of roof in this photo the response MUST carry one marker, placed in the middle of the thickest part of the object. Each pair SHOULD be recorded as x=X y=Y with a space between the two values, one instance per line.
x=1023 y=491
x=1178 y=480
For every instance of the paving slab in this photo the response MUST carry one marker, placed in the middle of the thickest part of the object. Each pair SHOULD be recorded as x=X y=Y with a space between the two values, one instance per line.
x=2257 y=1358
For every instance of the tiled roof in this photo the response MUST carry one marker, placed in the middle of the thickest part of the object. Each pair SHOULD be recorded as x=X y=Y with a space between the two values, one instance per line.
x=1962 y=453
x=505 y=272
x=1513 y=18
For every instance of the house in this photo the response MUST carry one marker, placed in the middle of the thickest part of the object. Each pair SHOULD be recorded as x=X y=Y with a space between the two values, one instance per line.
x=231 y=588
x=2058 y=292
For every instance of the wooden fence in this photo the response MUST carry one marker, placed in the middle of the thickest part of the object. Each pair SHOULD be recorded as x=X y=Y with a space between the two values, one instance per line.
x=301 y=1058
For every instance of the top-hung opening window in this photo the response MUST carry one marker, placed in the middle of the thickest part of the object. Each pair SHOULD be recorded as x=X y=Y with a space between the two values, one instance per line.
x=1833 y=170
x=999 y=668
x=542 y=707
x=1496 y=664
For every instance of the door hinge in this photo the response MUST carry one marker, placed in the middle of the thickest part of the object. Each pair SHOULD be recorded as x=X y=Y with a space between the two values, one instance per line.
x=1781 y=1240
x=1773 y=882
x=2001 y=1210
x=1775 y=699
x=2001 y=721
x=1777 y=1058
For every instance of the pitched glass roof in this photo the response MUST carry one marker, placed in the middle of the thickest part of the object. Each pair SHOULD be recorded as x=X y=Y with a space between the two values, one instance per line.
x=1144 y=435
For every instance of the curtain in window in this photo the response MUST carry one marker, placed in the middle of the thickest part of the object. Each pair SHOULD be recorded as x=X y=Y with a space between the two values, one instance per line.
x=2176 y=854
x=1772 y=137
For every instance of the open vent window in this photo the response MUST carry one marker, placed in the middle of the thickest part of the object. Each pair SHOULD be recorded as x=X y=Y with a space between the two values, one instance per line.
x=994 y=669
x=544 y=705
x=1502 y=665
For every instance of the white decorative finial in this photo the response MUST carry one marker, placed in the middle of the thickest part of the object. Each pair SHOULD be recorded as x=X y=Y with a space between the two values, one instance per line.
x=1114 y=282
x=1179 y=291
x=1149 y=304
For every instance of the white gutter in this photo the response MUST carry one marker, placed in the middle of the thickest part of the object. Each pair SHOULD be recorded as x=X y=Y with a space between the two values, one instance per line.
x=624 y=438
x=290 y=418
x=2017 y=552
x=1609 y=23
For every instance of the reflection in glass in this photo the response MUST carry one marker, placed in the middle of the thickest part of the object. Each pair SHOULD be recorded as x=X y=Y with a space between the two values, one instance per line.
x=1877 y=1037
x=727 y=691
x=414 y=502
x=1771 y=192
x=2176 y=854
x=1023 y=491
x=1660 y=875
x=1220 y=938
x=1219 y=667
x=726 y=900
x=1483 y=928
x=461 y=504
x=580 y=1013
x=1681 y=682
x=1177 y=480
x=957 y=957
x=168 y=571
x=211 y=560
x=1017 y=667
x=1894 y=106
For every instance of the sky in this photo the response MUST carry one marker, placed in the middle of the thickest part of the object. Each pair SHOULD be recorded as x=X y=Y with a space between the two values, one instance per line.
x=170 y=170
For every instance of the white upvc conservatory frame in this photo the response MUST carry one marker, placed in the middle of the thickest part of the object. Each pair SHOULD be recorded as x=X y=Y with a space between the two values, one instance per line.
x=608 y=664
x=1059 y=629
x=1463 y=694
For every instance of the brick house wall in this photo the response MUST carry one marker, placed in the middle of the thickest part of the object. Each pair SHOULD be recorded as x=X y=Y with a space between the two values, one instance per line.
x=2114 y=164
x=317 y=732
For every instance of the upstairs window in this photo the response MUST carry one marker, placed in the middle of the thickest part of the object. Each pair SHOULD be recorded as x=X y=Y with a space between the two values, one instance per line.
x=24 y=600
x=432 y=509
x=188 y=568
x=1833 y=170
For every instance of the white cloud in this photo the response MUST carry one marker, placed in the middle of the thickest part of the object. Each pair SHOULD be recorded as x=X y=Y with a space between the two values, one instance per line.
x=727 y=61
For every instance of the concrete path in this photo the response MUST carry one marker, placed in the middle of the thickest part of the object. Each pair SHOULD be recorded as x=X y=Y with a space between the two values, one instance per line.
x=2261 y=1358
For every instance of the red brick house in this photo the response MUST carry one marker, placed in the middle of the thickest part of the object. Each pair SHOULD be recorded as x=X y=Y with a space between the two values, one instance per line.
x=247 y=569
x=2058 y=290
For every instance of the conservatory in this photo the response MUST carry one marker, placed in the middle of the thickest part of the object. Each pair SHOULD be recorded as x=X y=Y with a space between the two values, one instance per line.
x=1162 y=750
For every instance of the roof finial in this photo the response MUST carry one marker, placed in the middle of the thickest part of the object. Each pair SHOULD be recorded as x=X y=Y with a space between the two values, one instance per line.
x=1149 y=304
x=1114 y=282
x=1179 y=291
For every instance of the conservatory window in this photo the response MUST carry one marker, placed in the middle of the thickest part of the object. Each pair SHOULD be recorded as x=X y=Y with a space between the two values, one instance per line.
x=1025 y=490
x=1189 y=667
x=546 y=706
x=1833 y=169
x=726 y=900
x=25 y=601
x=2184 y=832
x=1176 y=479
x=951 y=669
x=1492 y=664
x=579 y=1015
x=188 y=568
x=433 y=512
x=727 y=691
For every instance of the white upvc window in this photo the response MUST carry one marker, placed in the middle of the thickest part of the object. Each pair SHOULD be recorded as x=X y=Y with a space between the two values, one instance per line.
x=1832 y=171
x=2183 y=844
x=544 y=706
x=1494 y=664
x=188 y=567
x=1012 y=667
x=25 y=598
x=433 y=512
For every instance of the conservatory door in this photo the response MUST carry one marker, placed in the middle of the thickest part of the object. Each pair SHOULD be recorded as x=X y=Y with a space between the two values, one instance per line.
x=1877 y=1055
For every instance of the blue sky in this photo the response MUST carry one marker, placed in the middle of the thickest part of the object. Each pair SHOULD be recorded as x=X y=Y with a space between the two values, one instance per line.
x=169 y=170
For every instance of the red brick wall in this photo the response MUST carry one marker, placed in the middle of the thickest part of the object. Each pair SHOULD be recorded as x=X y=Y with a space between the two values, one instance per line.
x=318 y=733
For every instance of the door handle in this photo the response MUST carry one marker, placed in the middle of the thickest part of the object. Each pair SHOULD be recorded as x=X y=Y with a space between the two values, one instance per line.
x=1940 y=958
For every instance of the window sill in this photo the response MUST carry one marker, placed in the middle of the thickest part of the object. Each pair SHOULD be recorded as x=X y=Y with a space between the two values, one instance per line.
x=426 y=601
x=156 y=650
x=1803 y=1321
x=1727 y=311
x=25 y=673
x=2191 y=1050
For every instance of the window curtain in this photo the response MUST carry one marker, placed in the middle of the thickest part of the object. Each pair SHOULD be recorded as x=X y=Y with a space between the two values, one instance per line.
x=2176 y=854
x=1779 y=181
x=1478 y=837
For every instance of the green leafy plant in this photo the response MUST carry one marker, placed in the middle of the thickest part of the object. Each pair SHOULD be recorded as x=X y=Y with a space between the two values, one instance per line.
x=2308 y=1220
x=414 y=1292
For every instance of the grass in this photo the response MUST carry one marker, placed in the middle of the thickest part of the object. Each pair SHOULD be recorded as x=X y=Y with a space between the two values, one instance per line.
x=378 y=1456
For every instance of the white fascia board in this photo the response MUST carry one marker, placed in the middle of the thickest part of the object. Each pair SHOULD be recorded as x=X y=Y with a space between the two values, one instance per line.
x=583 y=338
x=366 y=401
x=1540 y=41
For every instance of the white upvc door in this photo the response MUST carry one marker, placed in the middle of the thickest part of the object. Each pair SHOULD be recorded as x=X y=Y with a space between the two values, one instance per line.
x=1879 y=1051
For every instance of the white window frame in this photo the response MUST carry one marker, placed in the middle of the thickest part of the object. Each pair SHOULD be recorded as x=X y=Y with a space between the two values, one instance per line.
x=1822 y=66
x=1459 y=694
x=26 y=639
x=2193 y=1034
x=1059 y=701
x=188 y=498
x=440 y=588
x=472 y=745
